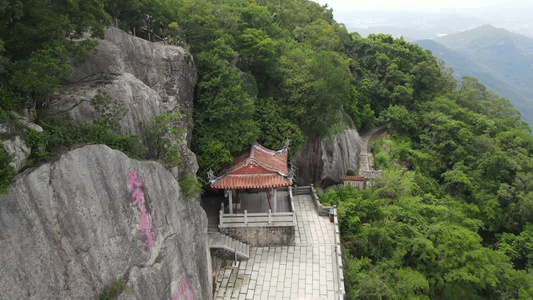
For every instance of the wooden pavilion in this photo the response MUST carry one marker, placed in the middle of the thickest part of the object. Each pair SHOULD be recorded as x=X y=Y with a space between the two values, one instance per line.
x=258 y=169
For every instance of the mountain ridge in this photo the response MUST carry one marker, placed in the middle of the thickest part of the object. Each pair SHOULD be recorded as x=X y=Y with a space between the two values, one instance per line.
x=500 y=59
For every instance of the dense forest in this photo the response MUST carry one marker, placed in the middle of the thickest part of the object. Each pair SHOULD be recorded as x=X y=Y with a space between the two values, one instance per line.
x=452 y=217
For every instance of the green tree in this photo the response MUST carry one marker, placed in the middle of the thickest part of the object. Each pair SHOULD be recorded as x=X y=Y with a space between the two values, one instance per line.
x=6 y=170
x=274 y=128
x=40 y=41
x=163 y=138
x=519 y=247
x=316 y=86
x=223 y=111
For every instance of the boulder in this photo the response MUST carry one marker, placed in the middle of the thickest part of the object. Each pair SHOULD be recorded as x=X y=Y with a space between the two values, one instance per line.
x=322 y=161
x=147 y=77
x=19 y=151
x=168 y=70
x=69 y=228
x=26 y=122
x=142 y=102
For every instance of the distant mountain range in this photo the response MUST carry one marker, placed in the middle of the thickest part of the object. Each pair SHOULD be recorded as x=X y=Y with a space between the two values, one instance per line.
x=501 y=60
x=417 y=25
x=409 y=25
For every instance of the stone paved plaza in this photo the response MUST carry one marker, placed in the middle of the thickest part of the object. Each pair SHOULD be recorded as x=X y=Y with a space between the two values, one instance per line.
x=305 y=270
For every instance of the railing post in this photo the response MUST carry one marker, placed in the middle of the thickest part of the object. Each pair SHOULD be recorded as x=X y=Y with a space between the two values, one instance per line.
x=290 y=192
x=221 y=214
x=245 y=216
x=269 y=216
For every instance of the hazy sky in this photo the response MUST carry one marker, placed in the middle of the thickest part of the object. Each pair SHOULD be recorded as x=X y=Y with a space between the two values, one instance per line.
x=420 y=5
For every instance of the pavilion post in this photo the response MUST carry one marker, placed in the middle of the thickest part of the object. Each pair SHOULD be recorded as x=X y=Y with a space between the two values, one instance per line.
x=275 y=201
x=268 y=198
x=230 y=201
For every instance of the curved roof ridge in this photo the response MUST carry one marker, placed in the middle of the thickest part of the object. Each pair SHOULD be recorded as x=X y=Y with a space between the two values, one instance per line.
x=258 y=146
x=244 y=162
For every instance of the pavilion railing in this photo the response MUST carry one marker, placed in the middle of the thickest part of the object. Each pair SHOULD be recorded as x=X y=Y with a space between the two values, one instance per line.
x=245 y=219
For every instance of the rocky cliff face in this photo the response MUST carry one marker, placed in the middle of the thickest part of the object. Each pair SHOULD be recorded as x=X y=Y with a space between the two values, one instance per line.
x=148 y=77
x=322 y=161
x=71 y=227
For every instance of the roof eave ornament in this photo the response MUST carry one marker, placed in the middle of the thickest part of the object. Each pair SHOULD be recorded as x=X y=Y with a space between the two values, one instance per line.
x=292 y=173
x=211 y=176
x=287 y=144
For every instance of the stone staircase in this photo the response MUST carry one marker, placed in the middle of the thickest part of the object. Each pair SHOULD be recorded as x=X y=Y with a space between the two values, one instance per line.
x=227 y=248
x=224 y=246
x=212 y=224
x=301 y=190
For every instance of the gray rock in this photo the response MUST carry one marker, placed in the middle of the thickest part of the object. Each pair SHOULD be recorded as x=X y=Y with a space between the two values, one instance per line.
x=25 y=121
x=190 y=164
x=322 y=161
x=142 y=102
x=19 y=150
x=168 y=70
x=69 y=228
x=5 y=128
x=148 y=77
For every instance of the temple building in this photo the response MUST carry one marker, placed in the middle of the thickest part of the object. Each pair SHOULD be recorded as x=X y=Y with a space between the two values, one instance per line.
x=355 y=181
x=257 y=187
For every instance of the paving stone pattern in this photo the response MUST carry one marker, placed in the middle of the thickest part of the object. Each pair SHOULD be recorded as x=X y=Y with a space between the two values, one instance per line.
x=302 y=271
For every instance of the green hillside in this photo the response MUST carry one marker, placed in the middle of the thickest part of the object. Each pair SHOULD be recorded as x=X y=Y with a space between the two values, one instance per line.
x=452 y=216
x=501 y=60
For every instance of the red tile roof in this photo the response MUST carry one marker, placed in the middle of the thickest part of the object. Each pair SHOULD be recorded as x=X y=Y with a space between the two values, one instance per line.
x=259 y=167
x=270 y=158
x=251 y=182
x=352 y=178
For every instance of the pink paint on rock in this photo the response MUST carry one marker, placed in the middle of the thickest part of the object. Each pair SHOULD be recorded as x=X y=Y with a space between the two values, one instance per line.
x=132 y=176
x=144 y=221
x=183 y=289
x=144 y=218
x=138 y=195
x=150 y=236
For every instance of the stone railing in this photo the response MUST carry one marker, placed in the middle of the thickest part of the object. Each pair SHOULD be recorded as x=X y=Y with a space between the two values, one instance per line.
x=268 y=219
x=322 y=210
x=341 y=293
x=370 y=173
x=328 y=210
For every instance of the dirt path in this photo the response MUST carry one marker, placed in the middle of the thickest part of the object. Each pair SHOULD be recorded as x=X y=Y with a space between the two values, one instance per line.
x=363 y=155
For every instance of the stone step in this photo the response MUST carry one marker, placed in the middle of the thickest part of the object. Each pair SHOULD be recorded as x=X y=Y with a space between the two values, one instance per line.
x=302 y=190
x=229 y=246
